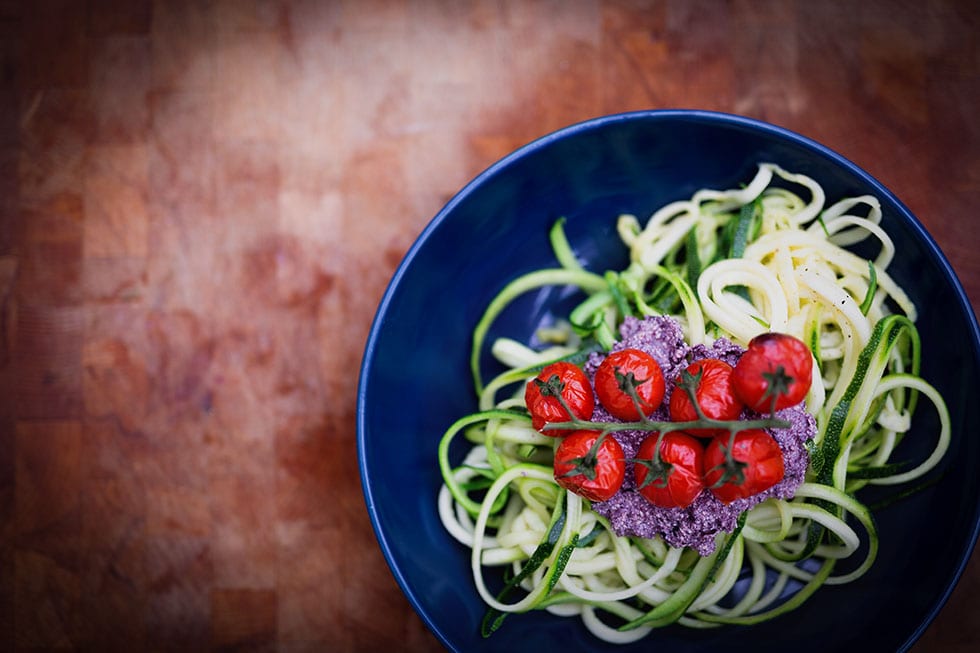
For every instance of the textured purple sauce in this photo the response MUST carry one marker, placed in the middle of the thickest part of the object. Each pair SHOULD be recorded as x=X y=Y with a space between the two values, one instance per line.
x=628 y=512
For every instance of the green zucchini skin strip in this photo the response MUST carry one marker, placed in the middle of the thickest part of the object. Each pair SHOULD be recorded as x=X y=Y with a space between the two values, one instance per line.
x=617 y=294
x=559 y=245
x=689 y=300
x=694 y=266
x=852 y=506
x=872 y=288
x=789 y=605
x=704 y=570
x=848 y=414
x=472 y=507
x=743 y=228
x=741 y=235
x=587 y=281
x=494 y=617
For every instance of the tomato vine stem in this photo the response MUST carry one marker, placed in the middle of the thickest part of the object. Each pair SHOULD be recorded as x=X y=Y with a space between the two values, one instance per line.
x=732 y=469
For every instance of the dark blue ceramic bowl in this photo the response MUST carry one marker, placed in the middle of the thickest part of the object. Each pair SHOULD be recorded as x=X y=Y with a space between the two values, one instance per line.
x=415 y=379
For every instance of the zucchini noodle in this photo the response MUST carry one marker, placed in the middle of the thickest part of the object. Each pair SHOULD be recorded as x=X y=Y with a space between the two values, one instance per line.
x=770 y=256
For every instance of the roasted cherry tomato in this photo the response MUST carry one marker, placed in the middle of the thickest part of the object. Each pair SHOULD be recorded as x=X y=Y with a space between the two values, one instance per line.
x=756 y=464
x=542 y=392
x=590 y=464
x=714 y=392
x=774 y=373
x=629 y=368
x=675 y=479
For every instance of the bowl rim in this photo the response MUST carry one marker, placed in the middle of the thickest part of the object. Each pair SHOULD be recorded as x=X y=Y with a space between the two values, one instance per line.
x=601 y=122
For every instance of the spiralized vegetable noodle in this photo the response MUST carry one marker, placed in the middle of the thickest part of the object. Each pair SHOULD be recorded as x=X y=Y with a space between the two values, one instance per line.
x=770 y=256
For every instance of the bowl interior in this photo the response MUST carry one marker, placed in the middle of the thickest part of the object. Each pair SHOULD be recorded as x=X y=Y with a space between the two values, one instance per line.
x=415 y=377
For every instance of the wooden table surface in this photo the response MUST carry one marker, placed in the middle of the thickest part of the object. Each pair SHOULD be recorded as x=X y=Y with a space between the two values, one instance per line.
x=202 y=203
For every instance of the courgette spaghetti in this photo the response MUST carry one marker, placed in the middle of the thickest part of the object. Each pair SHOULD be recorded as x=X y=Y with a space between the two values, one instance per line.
x=730 y=264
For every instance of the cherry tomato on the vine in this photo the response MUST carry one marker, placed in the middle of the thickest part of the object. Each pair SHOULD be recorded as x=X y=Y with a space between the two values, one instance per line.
x=590 y=464
x=757 y=466
x=681 y=459
x=624 y=369
x=541 y=395
x=774 y=373
x=715 y=395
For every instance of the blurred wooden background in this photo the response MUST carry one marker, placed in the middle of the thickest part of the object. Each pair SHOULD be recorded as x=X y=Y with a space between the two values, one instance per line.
x=201 y=203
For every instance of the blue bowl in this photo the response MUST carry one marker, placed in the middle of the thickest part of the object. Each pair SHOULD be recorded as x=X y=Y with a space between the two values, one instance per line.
x=415 y=378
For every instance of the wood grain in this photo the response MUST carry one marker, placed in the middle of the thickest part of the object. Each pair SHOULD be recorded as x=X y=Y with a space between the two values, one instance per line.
x=202 y=202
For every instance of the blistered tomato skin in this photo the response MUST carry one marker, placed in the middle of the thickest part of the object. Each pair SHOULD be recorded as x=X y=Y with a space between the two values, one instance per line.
x=576 y=454
x=545 y=408
x=685 y=455
x=715 y=394
x=763 y=465
x=647 y=379
x=774 y=373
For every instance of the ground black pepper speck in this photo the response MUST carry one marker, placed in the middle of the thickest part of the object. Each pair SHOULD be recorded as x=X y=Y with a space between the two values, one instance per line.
x=629 y=514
